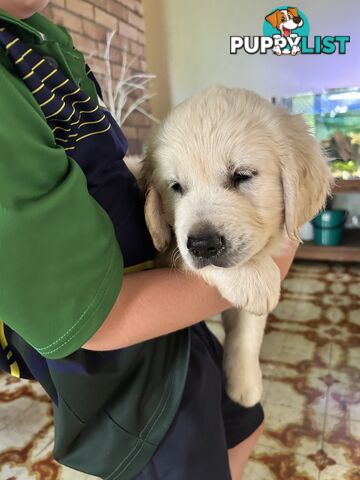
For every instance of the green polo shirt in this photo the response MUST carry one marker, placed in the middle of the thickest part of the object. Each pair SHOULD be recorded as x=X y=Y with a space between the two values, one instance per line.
x=60 y=273
x=60 y=263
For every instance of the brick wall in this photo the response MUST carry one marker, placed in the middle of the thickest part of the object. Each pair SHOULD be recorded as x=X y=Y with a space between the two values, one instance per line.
x=88 y=22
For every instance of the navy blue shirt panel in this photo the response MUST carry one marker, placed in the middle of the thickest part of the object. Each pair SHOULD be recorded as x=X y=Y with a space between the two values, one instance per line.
x=115 y=188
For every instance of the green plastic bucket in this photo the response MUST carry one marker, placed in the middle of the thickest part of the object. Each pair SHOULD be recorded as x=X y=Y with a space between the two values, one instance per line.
x=329 y=227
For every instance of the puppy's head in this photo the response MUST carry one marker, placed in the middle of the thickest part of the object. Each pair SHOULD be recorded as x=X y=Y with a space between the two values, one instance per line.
x=285 y=20
x=227 y=173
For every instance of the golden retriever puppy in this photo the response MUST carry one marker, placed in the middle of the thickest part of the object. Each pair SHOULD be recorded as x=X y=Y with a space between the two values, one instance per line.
x=234 y=177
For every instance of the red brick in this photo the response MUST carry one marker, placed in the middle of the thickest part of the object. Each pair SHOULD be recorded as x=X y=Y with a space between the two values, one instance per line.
x=118 y=10
x=94 y=31
x=67 y=19
x=119 y=41
x=85 y=45
x=141 y=38
x=116 y=71
x=128 y=3
x=101 y=49
x=109 y=21
x=127 y=30
x=81 y=8
x=137 y=21
x=143 y=65
x=98 y=3
x=135 y=66
x=116 y=53
x=101 y=79
x=139 y=8
x=97 y=65
x=137 y=50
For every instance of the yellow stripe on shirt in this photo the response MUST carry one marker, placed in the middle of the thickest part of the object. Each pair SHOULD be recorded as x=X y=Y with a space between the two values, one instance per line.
x=94 y=133
x=14 y=367
x=49 y=75
x=93 y=122
x=38 y=89
x=48 y=100
x=23 y=56
x=32 y=71
x=11 y=43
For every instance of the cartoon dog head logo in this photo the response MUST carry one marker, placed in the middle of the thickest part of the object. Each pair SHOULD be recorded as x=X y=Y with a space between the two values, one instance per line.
x=286 y=25
x=285 y=20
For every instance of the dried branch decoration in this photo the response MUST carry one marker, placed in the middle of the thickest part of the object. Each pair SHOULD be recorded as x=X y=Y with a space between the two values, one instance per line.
x=117 y=94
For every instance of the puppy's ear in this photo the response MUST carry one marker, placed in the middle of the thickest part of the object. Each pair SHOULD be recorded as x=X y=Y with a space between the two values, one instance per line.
x=155 y=220
x=293 y=11
x=158 y=227
x=306 y=177
x=274 y=18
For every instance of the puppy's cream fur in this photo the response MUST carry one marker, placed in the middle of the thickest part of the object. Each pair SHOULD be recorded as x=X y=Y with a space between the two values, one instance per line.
x=200 y=145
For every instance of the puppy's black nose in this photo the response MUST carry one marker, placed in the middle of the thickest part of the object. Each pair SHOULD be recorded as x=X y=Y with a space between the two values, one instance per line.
x=205 y=245
x=297 y=20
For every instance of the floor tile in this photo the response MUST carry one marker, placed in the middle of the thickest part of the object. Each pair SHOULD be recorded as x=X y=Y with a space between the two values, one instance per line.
x=272 y=345
x=342 y=440
x=297 y=310
x=276 y=464
x=344 y=400
x=287 y=393
x=292 y=429
x=340 y=472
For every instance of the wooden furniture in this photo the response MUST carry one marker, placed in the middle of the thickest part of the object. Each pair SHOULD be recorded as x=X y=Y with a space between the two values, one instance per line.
x=349 y=250
x=347 y=186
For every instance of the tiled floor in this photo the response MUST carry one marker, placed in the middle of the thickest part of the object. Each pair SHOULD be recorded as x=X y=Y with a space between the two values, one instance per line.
x=311 y=366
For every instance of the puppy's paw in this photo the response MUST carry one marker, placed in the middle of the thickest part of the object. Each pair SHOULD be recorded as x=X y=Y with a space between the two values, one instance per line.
x=259 y=291
x=261 y=300
x=255 y=298
x=262 y=289
x=254 y=286
x=245 y=388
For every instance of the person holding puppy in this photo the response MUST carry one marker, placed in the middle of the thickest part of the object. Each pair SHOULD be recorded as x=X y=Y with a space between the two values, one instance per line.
x=134 y=375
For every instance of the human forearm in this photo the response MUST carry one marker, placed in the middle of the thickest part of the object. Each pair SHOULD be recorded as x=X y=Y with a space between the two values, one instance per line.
x=158 y=302
x=154 y=303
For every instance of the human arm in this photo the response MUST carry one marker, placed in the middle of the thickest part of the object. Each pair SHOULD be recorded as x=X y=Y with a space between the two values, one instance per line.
x=157 y=302
x=61 y=267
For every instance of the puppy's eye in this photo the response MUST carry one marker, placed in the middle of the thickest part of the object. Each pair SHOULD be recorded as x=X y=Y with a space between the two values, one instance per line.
x=283 y=19
x=176 y=187
x=242 y=177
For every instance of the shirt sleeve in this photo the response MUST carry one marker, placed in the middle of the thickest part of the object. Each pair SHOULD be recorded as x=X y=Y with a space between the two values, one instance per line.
x=60 y=264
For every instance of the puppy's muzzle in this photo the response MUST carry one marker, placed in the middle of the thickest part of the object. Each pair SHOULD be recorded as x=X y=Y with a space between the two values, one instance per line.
x=206 y=245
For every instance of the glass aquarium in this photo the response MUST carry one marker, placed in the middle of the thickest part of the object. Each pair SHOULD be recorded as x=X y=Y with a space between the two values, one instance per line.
x=334 y=117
